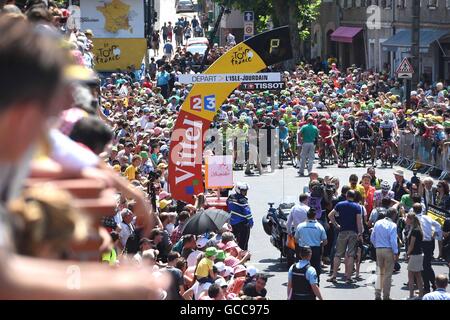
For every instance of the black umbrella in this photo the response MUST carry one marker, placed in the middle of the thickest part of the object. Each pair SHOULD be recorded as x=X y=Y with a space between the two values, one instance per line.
x=206 y=221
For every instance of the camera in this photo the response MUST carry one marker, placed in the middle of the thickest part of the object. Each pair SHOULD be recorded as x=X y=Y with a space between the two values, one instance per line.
x=415 y=179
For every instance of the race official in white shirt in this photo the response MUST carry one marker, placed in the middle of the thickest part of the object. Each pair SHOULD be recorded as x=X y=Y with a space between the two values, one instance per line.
x=298 y=214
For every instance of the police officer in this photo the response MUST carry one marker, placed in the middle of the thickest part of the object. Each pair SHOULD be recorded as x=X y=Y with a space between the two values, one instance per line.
x=312 y=234
x=241 y=216
x=302 y=279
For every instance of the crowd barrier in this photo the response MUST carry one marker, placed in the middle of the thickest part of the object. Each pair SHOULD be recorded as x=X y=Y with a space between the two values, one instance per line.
x=417 y=151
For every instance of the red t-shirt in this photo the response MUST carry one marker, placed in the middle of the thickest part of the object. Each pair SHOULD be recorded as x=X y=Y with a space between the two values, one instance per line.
x=324 y=131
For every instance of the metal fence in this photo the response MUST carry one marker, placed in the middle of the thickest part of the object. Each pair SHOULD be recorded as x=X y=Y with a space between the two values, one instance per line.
x=415 y=150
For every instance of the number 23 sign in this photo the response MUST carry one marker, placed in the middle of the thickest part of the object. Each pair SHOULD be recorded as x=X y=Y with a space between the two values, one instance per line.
x=208 y=103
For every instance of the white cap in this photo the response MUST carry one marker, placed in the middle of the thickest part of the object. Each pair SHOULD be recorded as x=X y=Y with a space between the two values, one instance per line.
x=201 y=242
x=228 y=271
x=251 y=271
x=221 y=282
x=220 y=266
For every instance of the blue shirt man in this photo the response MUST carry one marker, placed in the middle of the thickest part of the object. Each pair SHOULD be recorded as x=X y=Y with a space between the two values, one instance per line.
x=346 y=213
x=310 y=234
x=162 y=78
x=439 y=293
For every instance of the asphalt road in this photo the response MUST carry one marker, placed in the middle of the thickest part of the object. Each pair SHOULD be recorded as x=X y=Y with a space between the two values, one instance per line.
x=285 y=186
x=167 y=12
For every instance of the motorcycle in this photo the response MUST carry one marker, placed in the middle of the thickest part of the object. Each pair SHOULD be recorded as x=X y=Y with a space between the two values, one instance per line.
x=274 y=224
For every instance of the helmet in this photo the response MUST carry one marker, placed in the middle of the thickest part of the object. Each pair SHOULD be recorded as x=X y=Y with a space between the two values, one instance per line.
x=386 y=117
x=241 y=186
x=385 y=186
x=282 y=123
x=346 y=123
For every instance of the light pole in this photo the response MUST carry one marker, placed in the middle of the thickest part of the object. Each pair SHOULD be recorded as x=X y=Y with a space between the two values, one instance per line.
x=415 y=43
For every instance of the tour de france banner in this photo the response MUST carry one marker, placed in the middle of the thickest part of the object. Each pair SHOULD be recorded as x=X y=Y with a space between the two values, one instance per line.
x=437 y=214
x=119 y=32
x=113 y=54
x=204 y=99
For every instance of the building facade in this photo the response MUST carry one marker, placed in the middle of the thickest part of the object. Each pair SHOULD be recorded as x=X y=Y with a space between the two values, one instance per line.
x=376 y=34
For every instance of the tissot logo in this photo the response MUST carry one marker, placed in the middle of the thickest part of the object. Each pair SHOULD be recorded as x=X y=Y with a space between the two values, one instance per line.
x=241 y=56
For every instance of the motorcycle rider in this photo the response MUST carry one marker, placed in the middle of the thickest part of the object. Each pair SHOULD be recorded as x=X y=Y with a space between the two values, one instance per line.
x=241 y=216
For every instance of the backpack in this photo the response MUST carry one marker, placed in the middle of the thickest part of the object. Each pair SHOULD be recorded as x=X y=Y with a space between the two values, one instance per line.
x=381 y=213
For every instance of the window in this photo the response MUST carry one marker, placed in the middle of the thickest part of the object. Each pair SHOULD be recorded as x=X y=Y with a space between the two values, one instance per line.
x=448 y=4
x=401 y=4
x=386 y=4
x=357 y=3
x=432 y=4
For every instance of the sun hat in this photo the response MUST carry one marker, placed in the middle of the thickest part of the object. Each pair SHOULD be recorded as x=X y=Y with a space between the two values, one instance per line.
x=239 y=268
x=230 y=245
x=163 y=195
x=211 y=252
x=399 y=172
x=164 y=203
x=221 y=255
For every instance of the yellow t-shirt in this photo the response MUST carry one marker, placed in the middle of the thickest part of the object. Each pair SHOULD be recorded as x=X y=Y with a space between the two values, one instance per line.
x=110 y=257
x=130 y=173
x=360 y=189
x=203 y=268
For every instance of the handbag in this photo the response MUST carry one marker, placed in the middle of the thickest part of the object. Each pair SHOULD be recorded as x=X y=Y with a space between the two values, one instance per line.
x=290 y=242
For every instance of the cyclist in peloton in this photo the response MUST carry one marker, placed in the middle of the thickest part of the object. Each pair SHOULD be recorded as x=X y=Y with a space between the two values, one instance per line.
x=346 y=138
x=283 y=133
x=363 y=133
x=326 y=137
x=387 y=130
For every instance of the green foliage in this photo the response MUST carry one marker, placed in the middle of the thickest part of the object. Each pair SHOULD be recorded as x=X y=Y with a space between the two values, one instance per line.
x=308 y=11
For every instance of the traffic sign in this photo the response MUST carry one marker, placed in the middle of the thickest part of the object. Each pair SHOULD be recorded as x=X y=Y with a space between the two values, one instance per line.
x=249 y=30
x=249 y=16
x=405 y=69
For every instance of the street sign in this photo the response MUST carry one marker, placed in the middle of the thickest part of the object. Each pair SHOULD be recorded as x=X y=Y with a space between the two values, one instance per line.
x=255 y=86
x=229 y=77
x=249 y=16
x=405 y=69
x=249 y=30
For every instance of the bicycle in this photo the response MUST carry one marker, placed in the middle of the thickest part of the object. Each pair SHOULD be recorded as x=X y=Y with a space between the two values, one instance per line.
x=344 y=153
x=386 y=154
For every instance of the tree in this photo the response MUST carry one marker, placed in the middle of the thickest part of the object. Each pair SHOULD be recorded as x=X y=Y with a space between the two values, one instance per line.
x=297 y=14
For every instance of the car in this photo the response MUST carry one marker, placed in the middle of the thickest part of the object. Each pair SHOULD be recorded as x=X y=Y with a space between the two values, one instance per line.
x=199 y=48
x=185 y=6
x=197 y=40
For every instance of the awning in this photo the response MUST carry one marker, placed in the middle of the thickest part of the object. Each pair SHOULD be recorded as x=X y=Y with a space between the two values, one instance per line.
x=402 y=39
x=345 y=34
